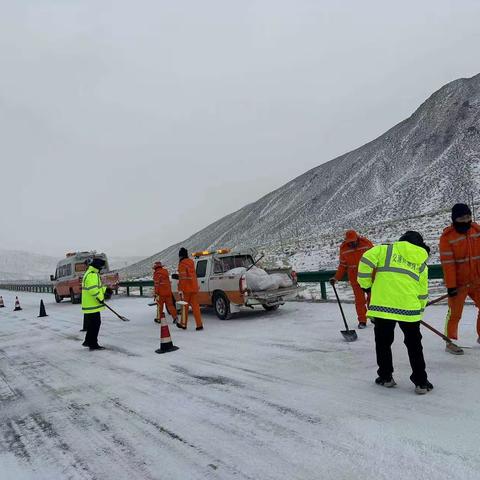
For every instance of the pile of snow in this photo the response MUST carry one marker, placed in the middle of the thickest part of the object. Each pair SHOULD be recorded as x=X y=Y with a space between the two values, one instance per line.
x=259 y=280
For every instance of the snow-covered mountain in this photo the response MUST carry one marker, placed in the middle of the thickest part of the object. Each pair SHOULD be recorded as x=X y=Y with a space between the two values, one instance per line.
x=19 y=265
x=419 y=167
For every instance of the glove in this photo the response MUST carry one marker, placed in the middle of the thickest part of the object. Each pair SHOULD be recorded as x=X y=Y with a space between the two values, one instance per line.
x=452 y=292
x=333 y=281
x=175 y=276
x=108 y=293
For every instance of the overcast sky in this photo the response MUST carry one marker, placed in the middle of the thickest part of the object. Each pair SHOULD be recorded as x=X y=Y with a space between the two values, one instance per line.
x=127 y=126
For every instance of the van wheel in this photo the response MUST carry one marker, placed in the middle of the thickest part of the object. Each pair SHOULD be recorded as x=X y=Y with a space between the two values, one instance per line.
x=58 y=298
x=270 y=308
x=73 y=298
x=221 y=304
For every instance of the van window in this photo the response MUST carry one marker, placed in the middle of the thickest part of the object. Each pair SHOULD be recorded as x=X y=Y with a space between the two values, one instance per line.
x=80 y=267
x=201 y=268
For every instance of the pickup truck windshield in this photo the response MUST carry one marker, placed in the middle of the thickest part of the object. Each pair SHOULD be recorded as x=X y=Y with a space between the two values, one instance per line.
x=224 y=264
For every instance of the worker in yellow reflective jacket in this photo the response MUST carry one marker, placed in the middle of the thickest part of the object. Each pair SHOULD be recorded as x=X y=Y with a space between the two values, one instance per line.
x=93 y=296
x=397 y=276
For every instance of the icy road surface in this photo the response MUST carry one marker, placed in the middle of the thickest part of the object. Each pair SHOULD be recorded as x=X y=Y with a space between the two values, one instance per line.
x=262 y=396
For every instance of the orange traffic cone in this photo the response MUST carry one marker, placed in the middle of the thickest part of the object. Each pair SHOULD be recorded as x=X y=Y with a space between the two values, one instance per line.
x=1 y=302
x=17 y=305
x=166 y=344
x=43 y=312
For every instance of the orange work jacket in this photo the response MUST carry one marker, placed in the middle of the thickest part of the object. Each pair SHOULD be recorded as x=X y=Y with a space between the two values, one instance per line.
x=460 y=256
x=350 y=257
x=161 y=282
x=187 y=276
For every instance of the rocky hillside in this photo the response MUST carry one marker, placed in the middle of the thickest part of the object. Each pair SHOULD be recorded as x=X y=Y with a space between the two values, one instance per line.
x=418 y=168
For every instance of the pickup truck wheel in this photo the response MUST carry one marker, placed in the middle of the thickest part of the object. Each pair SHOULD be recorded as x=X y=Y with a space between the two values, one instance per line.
x=221 y=304
x=270 y=308
x=58 y=298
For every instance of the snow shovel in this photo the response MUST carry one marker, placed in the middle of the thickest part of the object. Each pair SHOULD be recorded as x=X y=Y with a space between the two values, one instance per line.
x=348 y=335
x=118 y=315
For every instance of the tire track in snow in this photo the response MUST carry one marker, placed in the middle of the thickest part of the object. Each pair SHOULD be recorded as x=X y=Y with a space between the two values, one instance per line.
x=214 y=463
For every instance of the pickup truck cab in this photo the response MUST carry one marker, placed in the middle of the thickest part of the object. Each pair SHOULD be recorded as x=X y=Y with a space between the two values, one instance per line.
x=67 y=281
x=223 y=283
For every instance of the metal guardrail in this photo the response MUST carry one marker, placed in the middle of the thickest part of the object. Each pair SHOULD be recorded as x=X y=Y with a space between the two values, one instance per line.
x=28 y=287
x=322 y=277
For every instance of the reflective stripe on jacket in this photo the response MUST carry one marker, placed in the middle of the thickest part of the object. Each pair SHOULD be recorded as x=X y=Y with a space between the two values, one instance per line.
x=92 y=291
x=349 y=258
x=398 y=277
x=460 y=256
x=187 y=276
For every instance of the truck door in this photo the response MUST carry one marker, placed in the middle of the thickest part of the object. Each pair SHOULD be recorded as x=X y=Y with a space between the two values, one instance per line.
x=203 y=295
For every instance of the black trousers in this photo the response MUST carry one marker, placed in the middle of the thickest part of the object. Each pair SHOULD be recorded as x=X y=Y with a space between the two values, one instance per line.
x=384 y=336
x=93 y=322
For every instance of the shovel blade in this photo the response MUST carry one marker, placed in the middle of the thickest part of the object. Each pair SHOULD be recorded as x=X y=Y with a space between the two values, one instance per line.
x=349 y=335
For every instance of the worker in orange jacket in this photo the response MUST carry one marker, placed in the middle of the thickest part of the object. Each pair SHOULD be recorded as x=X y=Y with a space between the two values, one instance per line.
x=351 y=251
x=163 y=291
x=460 y=258
x=188 y=287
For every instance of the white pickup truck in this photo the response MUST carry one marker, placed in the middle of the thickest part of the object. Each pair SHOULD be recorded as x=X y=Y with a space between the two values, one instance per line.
x=230 y=280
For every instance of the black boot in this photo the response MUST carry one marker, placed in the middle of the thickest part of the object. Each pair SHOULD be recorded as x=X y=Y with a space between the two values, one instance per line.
x=385 y=382
x=424 y=388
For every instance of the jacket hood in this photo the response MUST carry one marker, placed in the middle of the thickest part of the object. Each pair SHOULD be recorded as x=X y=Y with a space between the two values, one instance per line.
x=411 y=252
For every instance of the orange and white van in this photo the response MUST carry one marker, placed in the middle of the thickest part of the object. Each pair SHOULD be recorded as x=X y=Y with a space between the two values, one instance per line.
x=67 y=281
x=227 y=290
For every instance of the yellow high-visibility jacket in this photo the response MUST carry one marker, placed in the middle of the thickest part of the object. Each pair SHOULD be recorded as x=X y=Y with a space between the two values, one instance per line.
x=398 y=277
x=93 y=292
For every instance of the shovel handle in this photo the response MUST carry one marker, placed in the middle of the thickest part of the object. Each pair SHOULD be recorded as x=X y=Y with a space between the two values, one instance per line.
x=434 y=330
x=340 y=305
x=113 y=311
x=436 y=300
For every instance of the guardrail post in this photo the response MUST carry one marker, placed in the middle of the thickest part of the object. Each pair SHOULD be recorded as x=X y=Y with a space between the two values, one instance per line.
x=141 y=291
x=323 y=291
x=128 y=291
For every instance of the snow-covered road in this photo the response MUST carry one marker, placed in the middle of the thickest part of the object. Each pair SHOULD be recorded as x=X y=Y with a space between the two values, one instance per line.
x=263 y=396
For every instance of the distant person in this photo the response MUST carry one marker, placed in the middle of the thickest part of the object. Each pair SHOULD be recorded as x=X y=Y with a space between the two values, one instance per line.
x=397 y=275
x=460 y=258
x=188 y=287
x=163 y=291
x=351 y=251
x=93 y=296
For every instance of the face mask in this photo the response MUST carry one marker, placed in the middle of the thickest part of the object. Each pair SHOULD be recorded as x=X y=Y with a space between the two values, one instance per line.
x=462 y=227
x=353 y=244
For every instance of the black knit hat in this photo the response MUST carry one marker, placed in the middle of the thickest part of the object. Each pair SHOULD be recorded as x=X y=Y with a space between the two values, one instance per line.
x=414 y=238
x=459 y=210
x=183 y=253
x=97 y=263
